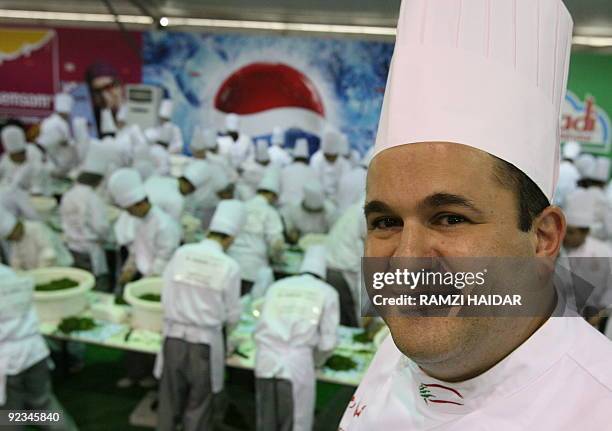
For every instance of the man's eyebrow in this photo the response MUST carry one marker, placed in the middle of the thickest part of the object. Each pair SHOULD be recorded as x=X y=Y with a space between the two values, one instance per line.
x=376 y=207
x=444 y=199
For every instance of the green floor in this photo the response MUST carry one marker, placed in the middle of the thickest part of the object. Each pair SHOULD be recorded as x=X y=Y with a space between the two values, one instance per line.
x=95 y=403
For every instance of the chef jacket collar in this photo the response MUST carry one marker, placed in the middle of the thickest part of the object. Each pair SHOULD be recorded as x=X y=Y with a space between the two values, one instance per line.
x=520 y=368
x=212 y=244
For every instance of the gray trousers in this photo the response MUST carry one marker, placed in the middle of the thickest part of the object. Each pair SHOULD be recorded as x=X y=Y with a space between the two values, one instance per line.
x=31 y=390
x=273 y=405
x=185 y=389
x=347 y=304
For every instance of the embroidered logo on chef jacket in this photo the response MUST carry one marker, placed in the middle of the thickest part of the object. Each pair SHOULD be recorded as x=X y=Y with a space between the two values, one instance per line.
x=440 y=394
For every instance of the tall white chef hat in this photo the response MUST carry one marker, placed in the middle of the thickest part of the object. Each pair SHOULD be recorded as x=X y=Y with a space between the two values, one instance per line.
x=488 y=74
x=261 y=151
x=97 y=160
x=331 y=142
x=63 y=103
x=210 y=139
x=571 y=150
x=301 y=149
x=107 y=122
x=314 y=198
x=232 y=122
x=579 y=208
x=52 y=133
x=122 y=113
x=270 y=181
x=80 y=129
x=165 y=109
x=197 y=140
x=601 y=169
x=314 y=261
x=126 y=188
x=585 y=163
x=13 y=139
x=229 y=217
x=197 y=173
x=278 y=136
x=7 y=222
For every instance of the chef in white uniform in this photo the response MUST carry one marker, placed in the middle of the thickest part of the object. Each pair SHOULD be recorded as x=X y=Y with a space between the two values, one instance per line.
x=25 y=380
x=84 y=215
x=568 y=173
x=594 y=181
x=297 y=331
x=32 y=244
x=254 y=170
x=156 y=236
x=56 y=139
x=201 y=295
x=314 y=214
x=175 y=142
x=80 y=130
x=236 y=146
x=458 y=186
x=328 y=163
x=159 y=139
x=278 y=155
x=352 y=184
x=261 y=238
x=296 y=174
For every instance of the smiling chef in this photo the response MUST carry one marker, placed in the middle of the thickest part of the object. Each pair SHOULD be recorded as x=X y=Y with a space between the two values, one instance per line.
x=466 y=162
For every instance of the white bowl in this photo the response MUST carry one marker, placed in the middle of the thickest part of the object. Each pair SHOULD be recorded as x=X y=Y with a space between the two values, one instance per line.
x=43 y=205
x=54 y=306
x=145 y=314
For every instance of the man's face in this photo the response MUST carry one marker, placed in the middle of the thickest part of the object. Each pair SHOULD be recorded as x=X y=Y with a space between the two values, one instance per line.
x=575 y=237
x=440 y=200
x=140 y=209
x=19 y=157
x=185 y=187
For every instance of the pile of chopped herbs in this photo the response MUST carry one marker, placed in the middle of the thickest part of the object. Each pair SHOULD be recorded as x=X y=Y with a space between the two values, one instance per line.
x=71 y=324
x=153 y=297
x=340 y=363
x=362 y=337
x=60 y=284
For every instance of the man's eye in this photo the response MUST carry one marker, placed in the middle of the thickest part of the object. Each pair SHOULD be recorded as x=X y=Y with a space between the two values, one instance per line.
x=385 y=223
x=449 y=219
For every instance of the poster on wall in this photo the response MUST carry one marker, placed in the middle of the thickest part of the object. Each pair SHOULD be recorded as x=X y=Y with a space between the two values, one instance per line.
x=585 y=122
x=301 y=84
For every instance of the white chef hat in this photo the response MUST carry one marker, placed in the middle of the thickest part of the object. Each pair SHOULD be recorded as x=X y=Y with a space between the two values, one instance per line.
x=126 y=188
x=571 y=150
x=261 y=151
x=220 y=181
x=107 y=122
x=232 y=122
x=197 y=173
x=585 y=163
x=13 y=139
x=229 y=217
x=488 y=74
x=314 y=197
x=97 y=160
x=165 y=109
x=210 y=138
x=601 y=169
x=314 y=261
x=579 y=208
x=7 y=222
x=197 y=140
x=165 y=133
x=122 y=113
x=331 y=142
x=278 y=136
x=51 y=135
x=80 y=129
x=270 y=181
x=63 y=103
x=301 y=148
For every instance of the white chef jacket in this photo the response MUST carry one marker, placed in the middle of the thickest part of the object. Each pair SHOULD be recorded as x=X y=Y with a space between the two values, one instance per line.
x=17 y=201
x=40 y=247
x=156 y=238
x=300 y=315
x=568 y=182
x=201 y=293
x=351 y=188
x=559 y=379
x=297 y=218
x=31 y=175
x=329 y=174
x=160 y=158
x=85 y=224
x=175 y=146
x=236 y=152
x=279 y=156
x=251 y=176
x=293 y=178
x=262 y=230
x=125 y=228
x=21 y=344
x=164 y=192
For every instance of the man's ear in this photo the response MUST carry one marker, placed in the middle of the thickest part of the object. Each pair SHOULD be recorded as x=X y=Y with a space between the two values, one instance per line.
x=549 y=229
